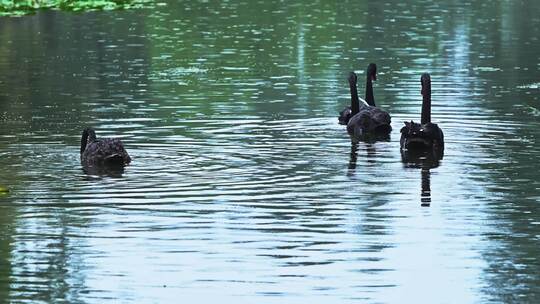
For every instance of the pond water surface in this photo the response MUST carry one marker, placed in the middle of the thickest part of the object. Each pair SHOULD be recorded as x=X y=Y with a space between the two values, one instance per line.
x=243 y=187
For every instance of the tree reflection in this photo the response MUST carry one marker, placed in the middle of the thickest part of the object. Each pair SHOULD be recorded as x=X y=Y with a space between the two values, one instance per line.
x=6 y=240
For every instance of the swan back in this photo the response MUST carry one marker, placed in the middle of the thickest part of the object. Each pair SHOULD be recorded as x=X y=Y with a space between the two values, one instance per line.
x=104 y=151
x=370 y=120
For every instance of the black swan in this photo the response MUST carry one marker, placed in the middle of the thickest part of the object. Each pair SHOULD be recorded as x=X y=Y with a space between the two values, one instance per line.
x=425 y=135
x=366 y=118
x=371 y=74
x=105 y=151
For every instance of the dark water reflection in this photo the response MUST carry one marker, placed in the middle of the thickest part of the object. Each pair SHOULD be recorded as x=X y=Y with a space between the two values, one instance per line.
x=243 y=187
x=425 y=160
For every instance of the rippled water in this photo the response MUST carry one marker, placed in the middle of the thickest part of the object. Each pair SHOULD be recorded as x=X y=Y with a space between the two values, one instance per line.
x=243 y=187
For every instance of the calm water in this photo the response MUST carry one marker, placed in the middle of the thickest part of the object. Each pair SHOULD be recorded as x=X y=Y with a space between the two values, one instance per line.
x=243 y=187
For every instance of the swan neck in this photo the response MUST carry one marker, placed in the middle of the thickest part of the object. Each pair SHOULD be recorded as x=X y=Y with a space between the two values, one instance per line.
x=84 y=140
x=355 y=102
x=88 y=136
x=370 y=99
x=426 y=107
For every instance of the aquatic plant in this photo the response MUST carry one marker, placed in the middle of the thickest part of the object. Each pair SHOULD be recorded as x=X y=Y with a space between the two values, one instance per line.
x=3 y=190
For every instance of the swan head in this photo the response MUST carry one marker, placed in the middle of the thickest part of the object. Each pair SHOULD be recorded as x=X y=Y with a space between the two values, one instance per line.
x=371 y=72
x=352 y=78
x=426 y=84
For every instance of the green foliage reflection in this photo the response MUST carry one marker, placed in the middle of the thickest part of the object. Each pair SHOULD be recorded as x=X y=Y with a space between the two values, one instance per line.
x=23 y=7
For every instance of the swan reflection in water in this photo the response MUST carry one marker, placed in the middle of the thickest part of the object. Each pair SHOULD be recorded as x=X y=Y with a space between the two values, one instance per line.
x=104 y=170
x=371 y=154
x=425 y=160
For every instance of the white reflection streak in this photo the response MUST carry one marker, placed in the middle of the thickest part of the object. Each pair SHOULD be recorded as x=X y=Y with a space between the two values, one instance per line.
x=300 y=62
